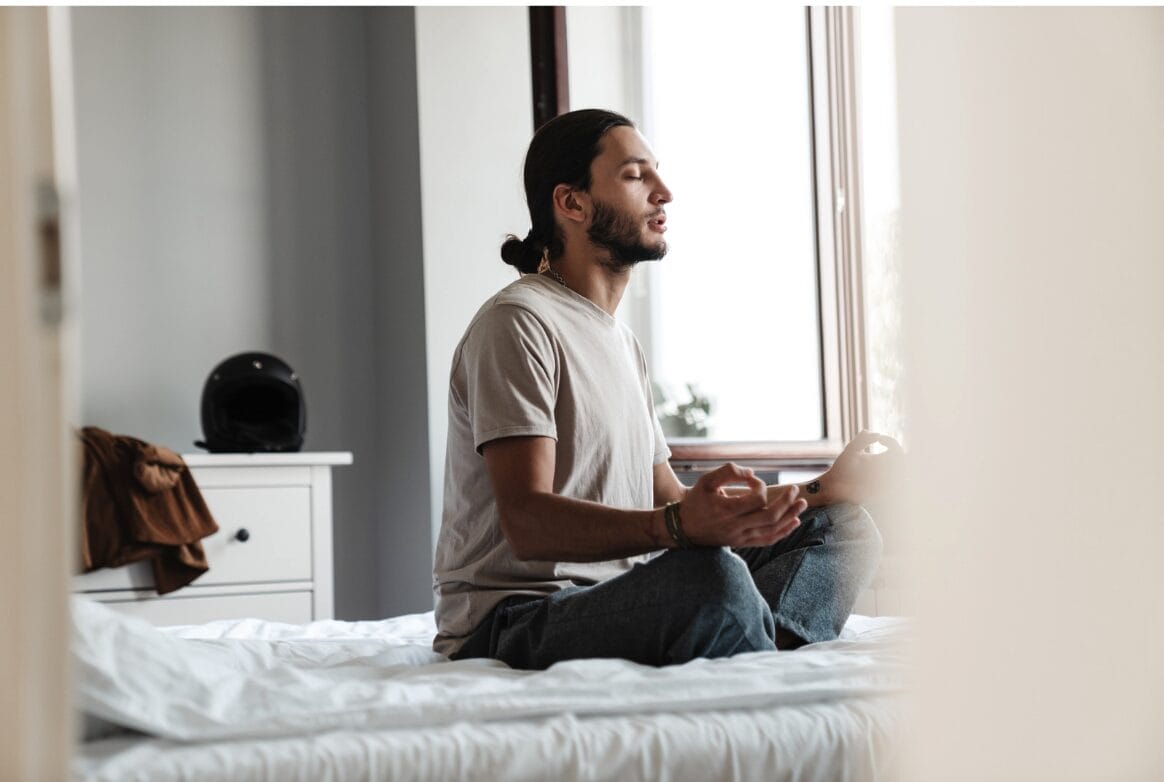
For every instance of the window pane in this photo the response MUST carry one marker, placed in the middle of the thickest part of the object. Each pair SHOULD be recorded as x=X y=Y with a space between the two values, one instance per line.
x=732 y=310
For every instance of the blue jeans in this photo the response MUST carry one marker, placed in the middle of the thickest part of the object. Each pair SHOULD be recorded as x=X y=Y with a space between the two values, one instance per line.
x=702 y=602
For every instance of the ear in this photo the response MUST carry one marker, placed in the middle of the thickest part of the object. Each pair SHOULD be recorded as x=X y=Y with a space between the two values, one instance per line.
x=571 y=204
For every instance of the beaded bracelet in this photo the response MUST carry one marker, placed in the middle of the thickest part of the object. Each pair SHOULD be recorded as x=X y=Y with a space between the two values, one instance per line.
x=675 y=525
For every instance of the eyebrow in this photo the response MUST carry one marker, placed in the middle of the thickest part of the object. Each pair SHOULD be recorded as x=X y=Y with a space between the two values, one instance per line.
x=636 y=160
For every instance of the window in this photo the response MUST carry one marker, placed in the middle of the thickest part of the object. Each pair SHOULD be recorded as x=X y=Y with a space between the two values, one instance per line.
x=753 y=325
x=733 y=308
x=881 y=204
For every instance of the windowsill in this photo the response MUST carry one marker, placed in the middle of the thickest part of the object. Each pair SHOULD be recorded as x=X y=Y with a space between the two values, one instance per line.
x=693 y=454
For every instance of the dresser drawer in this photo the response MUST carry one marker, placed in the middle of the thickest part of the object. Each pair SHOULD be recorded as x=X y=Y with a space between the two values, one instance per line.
x=280 y=571
x=278 y=544
x=183 y=609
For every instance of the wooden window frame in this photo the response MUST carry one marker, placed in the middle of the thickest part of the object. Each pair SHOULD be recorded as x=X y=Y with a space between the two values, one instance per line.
x=548 y=62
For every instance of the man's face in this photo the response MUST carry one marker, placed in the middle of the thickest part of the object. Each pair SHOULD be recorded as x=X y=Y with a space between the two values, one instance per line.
x=627 y=197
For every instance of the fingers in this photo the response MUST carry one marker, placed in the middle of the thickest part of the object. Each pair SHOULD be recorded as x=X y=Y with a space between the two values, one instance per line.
x=866 y=438
x=751 y=496
x=739 y=504
x=776 y=521
x=785 y=495
x=780 y=515
x=756 y=485
x=862 y=440
x=751 y=515
x=768 y=533
x=886 y=457
x=892 y=446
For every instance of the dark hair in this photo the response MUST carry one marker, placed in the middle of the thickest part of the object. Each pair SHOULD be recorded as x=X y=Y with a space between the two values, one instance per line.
x=560 y=153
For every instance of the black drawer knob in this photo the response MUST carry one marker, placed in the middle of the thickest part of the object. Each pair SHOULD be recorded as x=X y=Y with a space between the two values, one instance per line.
x=243 y=535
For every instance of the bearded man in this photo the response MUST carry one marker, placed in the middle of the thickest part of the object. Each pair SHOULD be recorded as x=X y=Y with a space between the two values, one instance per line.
x=565 y=533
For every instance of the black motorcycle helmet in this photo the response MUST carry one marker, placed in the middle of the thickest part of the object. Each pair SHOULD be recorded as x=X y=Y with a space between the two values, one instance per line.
x=251 y=403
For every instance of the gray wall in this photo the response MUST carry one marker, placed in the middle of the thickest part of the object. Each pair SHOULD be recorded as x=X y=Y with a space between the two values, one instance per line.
x=174 y=244
x=249 y=179
x=405 y=577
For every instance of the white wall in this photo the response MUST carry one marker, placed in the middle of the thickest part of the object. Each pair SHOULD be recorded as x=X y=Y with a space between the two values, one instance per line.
x=1032 y=196
x=342 y=193
x=606 y=54
x=603 y=44
x=476 y=119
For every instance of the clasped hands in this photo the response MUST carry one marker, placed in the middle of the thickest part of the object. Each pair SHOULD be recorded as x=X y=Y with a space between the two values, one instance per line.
x=730 y=506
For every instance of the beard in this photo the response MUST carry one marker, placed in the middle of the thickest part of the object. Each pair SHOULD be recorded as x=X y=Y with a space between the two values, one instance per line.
x=620 y=234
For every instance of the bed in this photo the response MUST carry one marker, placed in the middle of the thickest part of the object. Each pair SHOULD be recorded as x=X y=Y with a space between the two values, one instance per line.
x=333 y=700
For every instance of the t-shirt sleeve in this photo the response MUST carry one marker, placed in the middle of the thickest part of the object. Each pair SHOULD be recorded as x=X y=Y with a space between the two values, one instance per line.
x=511 y=376
x=662 y=451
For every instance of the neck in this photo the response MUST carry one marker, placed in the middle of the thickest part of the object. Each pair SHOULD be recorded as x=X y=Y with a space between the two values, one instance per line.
x=601 y=285
x=593 y=277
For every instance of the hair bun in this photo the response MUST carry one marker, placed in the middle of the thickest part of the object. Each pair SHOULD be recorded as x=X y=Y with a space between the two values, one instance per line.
x=524 y=254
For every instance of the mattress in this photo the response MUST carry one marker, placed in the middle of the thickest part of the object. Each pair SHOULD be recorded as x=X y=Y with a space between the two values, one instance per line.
x=254 y=700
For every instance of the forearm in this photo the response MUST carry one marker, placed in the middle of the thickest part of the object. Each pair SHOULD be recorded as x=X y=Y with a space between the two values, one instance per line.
x=547 y=526
x=815 y=492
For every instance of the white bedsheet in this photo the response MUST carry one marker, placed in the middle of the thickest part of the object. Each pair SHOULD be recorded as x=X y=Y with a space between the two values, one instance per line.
x=353 y=700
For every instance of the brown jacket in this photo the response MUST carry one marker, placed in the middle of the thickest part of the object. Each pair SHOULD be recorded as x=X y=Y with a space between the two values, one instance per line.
x=140 y=501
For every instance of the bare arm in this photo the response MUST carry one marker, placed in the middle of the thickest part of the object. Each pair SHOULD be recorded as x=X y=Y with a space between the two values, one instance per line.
x=668 y=487
x=858 y=475
x=540 y=524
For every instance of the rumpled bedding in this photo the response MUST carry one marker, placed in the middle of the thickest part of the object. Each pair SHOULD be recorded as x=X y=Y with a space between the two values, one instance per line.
x=256 y=684
x=131 y=674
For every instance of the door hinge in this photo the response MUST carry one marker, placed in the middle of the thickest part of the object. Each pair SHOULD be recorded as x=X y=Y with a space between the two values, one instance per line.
x=48 y=229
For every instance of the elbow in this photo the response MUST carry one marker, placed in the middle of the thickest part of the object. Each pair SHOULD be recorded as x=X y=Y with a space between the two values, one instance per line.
x=522 y=551
x=524 y=555
x=516 y=535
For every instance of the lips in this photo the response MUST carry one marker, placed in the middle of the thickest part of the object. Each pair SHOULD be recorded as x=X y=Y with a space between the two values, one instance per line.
x=657 y=222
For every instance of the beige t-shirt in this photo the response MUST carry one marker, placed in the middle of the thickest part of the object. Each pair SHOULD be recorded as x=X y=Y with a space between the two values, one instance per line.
x=538 y=359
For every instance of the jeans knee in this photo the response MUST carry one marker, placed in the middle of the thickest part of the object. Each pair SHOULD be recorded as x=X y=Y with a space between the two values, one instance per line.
x=853 y=530
x=715 y=575
x=724 y=596
x=852 y=522
x=731 y=573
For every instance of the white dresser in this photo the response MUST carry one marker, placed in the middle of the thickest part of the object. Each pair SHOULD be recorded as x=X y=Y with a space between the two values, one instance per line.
x=270 y=559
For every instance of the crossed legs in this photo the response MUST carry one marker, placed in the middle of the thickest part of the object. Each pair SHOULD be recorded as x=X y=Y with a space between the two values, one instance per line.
x=707 y=602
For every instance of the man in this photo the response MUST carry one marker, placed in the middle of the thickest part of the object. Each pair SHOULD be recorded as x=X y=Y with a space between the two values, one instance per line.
x=565 y=532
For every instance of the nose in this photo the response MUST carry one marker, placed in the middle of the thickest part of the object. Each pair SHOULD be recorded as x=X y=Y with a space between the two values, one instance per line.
x=661 y=194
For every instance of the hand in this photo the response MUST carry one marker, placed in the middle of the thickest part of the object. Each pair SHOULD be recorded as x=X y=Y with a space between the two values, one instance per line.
x=713 y=516
x=860 y=475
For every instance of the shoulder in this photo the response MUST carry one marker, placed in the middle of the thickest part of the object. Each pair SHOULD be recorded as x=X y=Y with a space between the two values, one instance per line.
x=520 y=306
x=528 y=290
x=513 y=319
